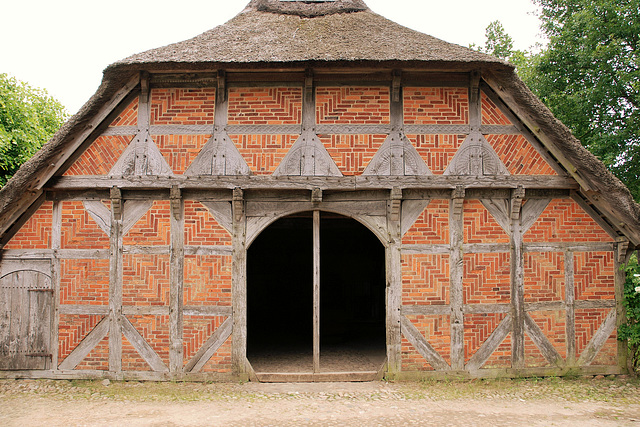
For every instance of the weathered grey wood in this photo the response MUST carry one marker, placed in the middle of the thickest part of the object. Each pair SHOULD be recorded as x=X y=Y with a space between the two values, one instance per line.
x=309 y=377
x=531 y=211
x=239 y=285
x=207 y=250
x=264 y=129
x=308 y=157
x=586 y=304
x=146 y=250
x=140 y=310
x=115 y=282
x=499 y=209
x=311 y=182
x=316 y=291
x=436 y=129
x=573 y=247
x=598 y=340
x=476 y=157
x=142 y=346
x=176 y=282
x=276 y=209
x=100 y=214
x=426 y=249
x=456 y=287
x=621 y=312
x=221 y=211
x=490 y=345
x=5 y=316
x=486 y=308
x=485 y=248
x=542 y=342
x=133 y=210
x=425 y=310
x=544 y=306
x=56 y=239
x=209 y=310
x=397 y=157
x=210 y=347
x=570 y=300
x=422 y=345
x=499 y=130
x=517 y=295
x=96 y=310
x=86 y=345
x=342 y=129
x=393 y=261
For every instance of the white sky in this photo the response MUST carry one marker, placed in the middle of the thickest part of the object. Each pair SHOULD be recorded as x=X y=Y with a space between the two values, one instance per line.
x=63 y=45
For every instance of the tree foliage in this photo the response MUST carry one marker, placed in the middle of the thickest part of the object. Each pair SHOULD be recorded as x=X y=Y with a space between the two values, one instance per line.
x=589 y=76
x=28 y=118
x=630 y=331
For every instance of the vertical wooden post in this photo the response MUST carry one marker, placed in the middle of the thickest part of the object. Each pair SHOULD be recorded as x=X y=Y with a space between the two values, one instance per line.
x=144 y=118
x=239 y=285
x=176 y=296
x=56 y=237
x=620 y=259
x=394 y=284
x=456 y=273
x=517 y=285
x=115 y=282
x=316 y=291
x=570 y=310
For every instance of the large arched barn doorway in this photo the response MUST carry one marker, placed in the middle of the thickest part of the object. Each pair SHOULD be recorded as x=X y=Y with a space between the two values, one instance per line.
x=338 y=327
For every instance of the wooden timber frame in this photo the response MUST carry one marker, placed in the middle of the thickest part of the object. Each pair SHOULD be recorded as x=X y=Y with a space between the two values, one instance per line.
x=386 y=203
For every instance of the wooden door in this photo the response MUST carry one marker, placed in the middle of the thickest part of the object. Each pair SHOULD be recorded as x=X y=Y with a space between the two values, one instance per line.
x=26 y=300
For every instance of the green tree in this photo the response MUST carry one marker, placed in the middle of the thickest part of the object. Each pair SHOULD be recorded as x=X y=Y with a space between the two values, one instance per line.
x=631 y=330
x=28 y=118
x=589 y=76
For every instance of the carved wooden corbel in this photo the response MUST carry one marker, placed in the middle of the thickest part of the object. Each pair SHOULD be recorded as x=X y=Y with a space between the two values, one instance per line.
x=316 y=196
x=623 y=249
x=517 y=196
x=238 y=207
x=396 y=202
x=457 y=196
x=116 y=203
x=175 y=195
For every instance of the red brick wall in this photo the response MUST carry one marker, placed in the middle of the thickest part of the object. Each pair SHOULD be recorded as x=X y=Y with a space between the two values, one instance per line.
x=436 y=105
x=265 y=106
x=100 y=157
x=487 y=278
x=565 y=221
x=425 y=279
x=201 y=228
x=553 y=324
x=352 y=153
x=129 y=117
x=183 y=106
x=263 y=153
x=437 y=150
x=180 y=150
x=79 y=229
x=477 y=328
x=72 y=330
x=154 y=228
x=437 y=329
x=491 y=114
x=594 y=276
x=519 y=156
x=155 y=331
x=145 y=280
x=432 y=227
x=84 y=281
x=36 y=232
x=544 y=279
x=207 y=280
x=480 y=226
x=352 y=105
x=197 y=330
x=587 y=323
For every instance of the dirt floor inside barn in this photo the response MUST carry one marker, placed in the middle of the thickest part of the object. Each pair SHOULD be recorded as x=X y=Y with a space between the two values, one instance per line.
x=533 y=402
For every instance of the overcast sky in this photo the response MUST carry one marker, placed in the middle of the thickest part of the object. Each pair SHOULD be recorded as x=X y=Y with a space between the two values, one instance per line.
x=63 y=45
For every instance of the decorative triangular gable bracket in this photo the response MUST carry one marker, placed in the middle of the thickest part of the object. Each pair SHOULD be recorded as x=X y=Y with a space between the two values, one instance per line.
x=307 y=157
x=397 y=156
x=219 y=157
x=142 y=157
x=476 y=157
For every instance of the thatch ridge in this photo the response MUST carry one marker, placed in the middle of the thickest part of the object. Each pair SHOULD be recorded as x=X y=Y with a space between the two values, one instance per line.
x=308 y=9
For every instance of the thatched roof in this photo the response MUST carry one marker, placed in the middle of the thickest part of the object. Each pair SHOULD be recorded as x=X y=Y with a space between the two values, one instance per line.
x=342 y=33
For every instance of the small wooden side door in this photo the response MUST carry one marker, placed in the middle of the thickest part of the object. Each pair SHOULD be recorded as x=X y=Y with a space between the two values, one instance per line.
x=26 y=308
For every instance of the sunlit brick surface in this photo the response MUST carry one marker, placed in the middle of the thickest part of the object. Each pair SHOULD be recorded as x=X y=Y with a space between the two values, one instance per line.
x=36 y=232
x=437 y=105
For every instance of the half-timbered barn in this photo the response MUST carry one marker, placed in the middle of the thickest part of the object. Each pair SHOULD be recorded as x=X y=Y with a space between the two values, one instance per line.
x=312 y=192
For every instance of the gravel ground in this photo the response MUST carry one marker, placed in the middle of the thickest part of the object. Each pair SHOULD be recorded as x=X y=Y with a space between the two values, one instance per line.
x=535 y=402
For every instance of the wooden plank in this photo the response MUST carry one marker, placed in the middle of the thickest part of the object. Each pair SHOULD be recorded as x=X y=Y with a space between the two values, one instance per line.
x=316 y=291
x=277 y=209
x=544 y=306
x=598 y=340
x=486 y=308
x=411 y=211
x=422 y=345
x=142 y=346
x=585 y=304
x=208 y=310
x=456 y=271
x=221 y=211
x=490 y=345
x=19 y=317
x=133 y=210
x=239 y=285
x=393 y=261
x=39 y=254
x=142 y=310
x=485 y=248
x=147 y=250
x=115 y=282
x=259 y=182
x=425 y=310
x=100 y=214
x=426 y=249
x=94 y=310
x=56 y=240
x=517 y=296
x=542 y=342
x=531 y=211
x=570 y=300
x=621 y=311
x=499 y=209
x=210 y=347
x=5 y=316
x=573 y=247
x=40 y=313
x=86 y=345
x=176 y=282
x=207 y=250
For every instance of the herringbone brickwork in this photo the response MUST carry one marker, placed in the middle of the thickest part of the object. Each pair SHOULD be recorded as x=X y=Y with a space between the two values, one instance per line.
x=352 y=153
x=265 y=106
x=544 y=279
x=79 y=230
x=100 y=157
x=72 y=330
x=183 y=106
x=98 y=358
x=425 y=279
x=519 y=156
x=477 y=328
x=129 y=117
x=480 y=226
x=491 y=114
x=145 y=280
x=180 y=150
x=487 y=278
x=437 y=331
x=431 y=227
x=84 y=281
x=263 y=153
x=131 y=359
x=197 y=330
x=437 y=150
x=36 y=232
x=553 y=324
x=207 y=280
x=565 y=221
x=594 y=276
x=155 y=330
x=154 y=228
x=201 y=228
x=352 y=105
x=608 y=355
x=436 y=105
x=587 y=323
